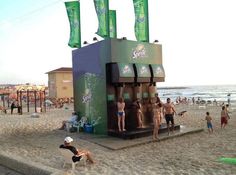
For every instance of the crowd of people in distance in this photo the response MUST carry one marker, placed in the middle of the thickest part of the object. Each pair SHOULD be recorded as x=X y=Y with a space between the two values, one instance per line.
x=58 y=102
x=14 y=103
x=193 y=101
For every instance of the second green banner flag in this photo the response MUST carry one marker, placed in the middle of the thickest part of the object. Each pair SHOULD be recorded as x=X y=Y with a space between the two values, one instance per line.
x=141 y=20
x=73 y=13
x=102 y=10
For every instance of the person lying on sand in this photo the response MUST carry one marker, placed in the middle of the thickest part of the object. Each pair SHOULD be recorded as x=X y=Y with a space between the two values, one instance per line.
x=77 y=153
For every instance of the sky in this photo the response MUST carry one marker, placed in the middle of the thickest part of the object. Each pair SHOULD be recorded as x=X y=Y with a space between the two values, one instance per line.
x=197 y=36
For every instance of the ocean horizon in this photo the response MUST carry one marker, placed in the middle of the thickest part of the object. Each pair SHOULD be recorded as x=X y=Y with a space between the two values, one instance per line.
x=221 y=93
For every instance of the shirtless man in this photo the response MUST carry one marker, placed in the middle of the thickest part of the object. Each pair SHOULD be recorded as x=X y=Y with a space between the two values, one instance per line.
x=169 y=111
x=121 y=114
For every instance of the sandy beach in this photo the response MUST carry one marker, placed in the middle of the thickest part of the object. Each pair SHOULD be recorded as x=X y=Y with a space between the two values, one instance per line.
x=37 y=140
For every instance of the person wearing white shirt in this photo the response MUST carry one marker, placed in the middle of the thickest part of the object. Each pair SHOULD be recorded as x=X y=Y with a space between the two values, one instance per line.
x=72 y=120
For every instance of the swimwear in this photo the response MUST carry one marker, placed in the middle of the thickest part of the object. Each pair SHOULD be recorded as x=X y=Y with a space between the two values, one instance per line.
x=75 y=158
x=169 y=118
x=120 y=114
x=224 y=120
x=209 y=125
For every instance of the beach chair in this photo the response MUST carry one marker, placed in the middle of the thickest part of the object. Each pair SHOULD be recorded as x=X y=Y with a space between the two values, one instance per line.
x=78 y=125
x=82 y=122
x=67 y=155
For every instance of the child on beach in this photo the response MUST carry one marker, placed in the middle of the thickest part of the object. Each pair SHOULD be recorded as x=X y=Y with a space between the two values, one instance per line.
x=209 y=124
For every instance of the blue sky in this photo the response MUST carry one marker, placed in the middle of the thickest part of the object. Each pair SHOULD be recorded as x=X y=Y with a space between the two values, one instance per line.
x=198 y=38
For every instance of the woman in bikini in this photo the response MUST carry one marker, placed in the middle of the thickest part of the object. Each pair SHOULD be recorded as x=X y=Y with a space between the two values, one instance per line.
x=157 y=110
x=121 y=114
x=139 y=114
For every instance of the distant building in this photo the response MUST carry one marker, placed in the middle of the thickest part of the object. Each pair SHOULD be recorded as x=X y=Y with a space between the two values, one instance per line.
x=60 y=83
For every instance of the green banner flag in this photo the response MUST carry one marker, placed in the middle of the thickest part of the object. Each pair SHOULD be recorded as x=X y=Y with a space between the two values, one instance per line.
x=141 y=20
x=112 y=23
x=73 y=13
x=102 y=10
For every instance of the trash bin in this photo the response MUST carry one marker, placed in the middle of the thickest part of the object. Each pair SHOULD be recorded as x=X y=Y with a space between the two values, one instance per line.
x=38 y=109
x=88 y=128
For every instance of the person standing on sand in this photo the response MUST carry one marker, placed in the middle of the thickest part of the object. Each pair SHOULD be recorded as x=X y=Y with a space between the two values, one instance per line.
x=169 y=111
x=13 y=105
x=209 y=123
x=139 y=113
x=77 y=153
x=157 y=110
x=224 y=117
x=228 y=98
x=158 y=100
x=227 y=111
x=121 y=114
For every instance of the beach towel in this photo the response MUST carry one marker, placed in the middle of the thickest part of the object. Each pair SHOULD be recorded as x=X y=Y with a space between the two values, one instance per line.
x=228 y=160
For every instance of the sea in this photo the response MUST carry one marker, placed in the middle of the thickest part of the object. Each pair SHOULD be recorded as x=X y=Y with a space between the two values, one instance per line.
x=219 y=93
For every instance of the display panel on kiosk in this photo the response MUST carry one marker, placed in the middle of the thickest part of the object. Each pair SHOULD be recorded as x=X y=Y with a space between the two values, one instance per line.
x=126 y=96
x=158 y=73
x=121 y=72
x=138 y=94
x=145 y=94
x=143 y=73
x=110 y=97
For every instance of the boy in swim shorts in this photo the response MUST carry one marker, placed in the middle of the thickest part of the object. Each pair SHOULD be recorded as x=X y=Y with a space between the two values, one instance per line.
x=209 y=124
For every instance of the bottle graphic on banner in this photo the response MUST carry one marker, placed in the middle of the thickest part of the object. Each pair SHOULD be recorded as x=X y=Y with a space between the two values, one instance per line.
x=141 y=27
x=101 y=7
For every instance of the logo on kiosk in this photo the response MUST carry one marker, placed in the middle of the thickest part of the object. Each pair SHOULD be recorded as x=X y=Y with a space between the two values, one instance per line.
x=139 y=52
x=143 y=70
x=159 y=71
x=126 y=70
x=87 y=97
